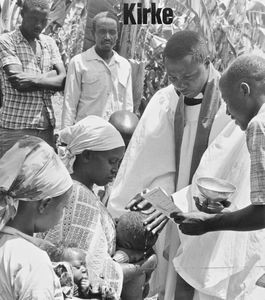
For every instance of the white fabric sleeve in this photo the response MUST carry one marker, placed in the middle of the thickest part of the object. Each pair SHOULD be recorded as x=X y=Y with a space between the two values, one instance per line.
x=128 y=93
x=72 y=94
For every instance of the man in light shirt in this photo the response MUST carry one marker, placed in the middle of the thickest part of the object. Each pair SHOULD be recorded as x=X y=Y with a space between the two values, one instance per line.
x=98 y=80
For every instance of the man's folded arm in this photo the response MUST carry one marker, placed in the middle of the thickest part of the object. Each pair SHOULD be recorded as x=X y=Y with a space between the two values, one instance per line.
x=20 y=80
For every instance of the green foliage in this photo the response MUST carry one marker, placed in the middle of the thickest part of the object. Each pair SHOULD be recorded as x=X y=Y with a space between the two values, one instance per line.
x=68 y=27
x=9 y=14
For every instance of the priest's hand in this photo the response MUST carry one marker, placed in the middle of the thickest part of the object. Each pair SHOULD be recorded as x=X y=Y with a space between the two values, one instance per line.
x=138 y=203
x=194 y=223
x=210 y=207
x=155 y=222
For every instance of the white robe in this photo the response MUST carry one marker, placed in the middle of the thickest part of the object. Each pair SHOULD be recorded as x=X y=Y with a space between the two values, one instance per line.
x=223 y=265
x=150 y=161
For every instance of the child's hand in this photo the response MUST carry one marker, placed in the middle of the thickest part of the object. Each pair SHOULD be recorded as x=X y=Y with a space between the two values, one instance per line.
x=100 y=290
x=107 y=293
x=84 y=286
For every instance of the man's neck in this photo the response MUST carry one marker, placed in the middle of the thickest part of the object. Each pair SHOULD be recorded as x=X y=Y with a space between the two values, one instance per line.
x=105 y=55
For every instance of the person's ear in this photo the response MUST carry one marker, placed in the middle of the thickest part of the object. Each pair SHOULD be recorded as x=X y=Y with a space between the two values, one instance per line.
x=245 y=88
x=86 y=155
x=43 y=205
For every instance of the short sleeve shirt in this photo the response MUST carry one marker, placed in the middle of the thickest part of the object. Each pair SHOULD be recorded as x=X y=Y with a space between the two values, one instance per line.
x=255 y=135
x=21 y=110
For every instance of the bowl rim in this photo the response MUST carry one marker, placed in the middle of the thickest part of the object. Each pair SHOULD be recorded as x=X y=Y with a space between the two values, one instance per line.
x=231 y=187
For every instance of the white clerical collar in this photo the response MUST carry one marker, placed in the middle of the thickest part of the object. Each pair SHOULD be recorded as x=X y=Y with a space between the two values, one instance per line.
x=199 y=96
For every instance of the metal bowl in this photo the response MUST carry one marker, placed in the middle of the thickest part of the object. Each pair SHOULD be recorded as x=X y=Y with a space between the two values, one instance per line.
x=215 y=189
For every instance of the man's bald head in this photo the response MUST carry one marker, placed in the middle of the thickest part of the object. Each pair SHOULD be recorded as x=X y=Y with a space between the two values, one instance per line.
x=125 y=122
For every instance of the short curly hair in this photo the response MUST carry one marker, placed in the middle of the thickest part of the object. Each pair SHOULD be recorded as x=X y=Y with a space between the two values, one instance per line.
x=186 y=42
x=131 y=231
x=247 y=66
x=29 y=4
x=104 y=14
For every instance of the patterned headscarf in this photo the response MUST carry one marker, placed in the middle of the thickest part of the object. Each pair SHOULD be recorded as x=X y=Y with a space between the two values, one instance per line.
x=92 y=133
x=30 y=171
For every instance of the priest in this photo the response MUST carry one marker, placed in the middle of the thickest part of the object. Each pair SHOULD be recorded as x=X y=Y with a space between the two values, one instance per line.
x=176 y=128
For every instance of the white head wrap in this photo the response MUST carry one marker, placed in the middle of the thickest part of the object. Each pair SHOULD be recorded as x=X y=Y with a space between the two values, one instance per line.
x=92 y=133
x=30 y=171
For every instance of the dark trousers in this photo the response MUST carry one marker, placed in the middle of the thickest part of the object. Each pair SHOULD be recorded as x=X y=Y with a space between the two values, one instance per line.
x=8 y=137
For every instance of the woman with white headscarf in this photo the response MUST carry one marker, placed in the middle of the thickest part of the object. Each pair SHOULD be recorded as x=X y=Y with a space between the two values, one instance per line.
x=34 y=188
x=92 y=152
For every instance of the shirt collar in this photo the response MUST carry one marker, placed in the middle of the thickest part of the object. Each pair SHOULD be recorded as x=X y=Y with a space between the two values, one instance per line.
x=19 y=37
x=262 y=109
x=91 y=54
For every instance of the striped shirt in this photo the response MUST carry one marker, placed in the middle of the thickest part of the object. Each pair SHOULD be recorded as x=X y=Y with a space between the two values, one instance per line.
x=255 y=135
x=30 y=109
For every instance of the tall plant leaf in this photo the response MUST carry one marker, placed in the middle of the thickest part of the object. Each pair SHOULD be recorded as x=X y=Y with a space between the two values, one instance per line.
x=198 y=7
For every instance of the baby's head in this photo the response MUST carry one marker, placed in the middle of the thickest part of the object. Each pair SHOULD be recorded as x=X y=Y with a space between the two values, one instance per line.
x=132 y=234
x=75 y=257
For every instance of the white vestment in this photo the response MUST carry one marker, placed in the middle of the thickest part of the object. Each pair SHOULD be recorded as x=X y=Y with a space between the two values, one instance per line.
x=150 y=161
x=226 y=264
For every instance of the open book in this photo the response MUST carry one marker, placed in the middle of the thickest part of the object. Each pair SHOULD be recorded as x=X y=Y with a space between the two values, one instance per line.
x=161 y=201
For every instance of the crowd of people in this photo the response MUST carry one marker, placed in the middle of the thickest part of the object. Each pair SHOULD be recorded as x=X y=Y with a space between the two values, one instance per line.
x=74 y=223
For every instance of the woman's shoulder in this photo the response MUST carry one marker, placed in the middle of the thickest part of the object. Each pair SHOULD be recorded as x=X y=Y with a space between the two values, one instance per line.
x=18 y=251
x=27 y=269
x=80 y=187
x=83 y=194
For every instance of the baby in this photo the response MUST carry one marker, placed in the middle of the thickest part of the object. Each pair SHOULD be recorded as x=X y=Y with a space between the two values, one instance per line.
x=83 y=288
x=76 y=258
x=132 y=236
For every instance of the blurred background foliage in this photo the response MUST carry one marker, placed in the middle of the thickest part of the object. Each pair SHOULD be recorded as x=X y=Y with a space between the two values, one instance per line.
x=230 y=27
